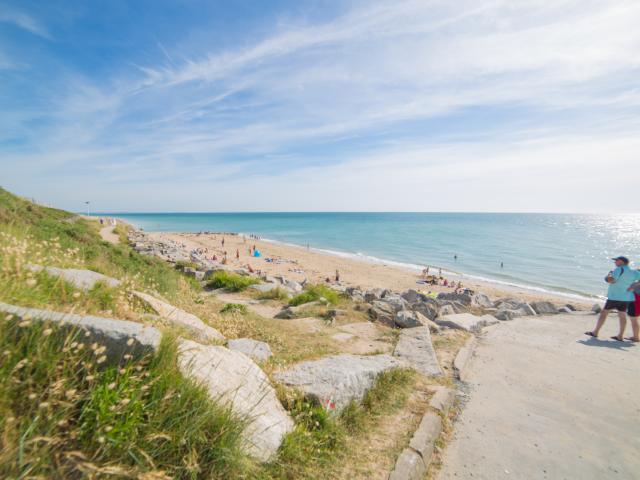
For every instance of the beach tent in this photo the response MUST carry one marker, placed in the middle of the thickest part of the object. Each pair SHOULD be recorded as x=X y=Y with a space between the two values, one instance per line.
x=256 y=253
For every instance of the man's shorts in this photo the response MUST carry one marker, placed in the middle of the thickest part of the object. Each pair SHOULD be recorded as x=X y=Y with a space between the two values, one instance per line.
x=616 y=305
x=633 y=310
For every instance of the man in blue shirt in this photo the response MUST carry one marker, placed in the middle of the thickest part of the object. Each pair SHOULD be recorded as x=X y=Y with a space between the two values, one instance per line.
x=619 y=296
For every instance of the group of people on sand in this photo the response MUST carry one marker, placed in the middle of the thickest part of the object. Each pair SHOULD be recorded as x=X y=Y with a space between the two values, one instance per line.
x=623 y=296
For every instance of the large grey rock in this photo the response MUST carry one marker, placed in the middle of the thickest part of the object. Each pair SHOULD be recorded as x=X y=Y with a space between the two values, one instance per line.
x=413 y=296
x=446 y=310
x=415 y=347
x=373 y=295
x=383 y=312
x=409 y=466
x=508 y=303
x=596 y=308
x=467 y=321
x=424 y=438
x=463 y=298
x=196 y=327
x=396 y=302
x=267 y=287
x=82 y=279
x=339 y=379
x=544 y=308
x=120 y=337
x=481 y=300
x=427 y=308
x=288 y=313
x=410 y=319
x=233 y=378
x=507 y=314
x=254 y=349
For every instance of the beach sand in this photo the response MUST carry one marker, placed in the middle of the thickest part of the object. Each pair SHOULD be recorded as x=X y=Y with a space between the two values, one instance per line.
x=300 y=263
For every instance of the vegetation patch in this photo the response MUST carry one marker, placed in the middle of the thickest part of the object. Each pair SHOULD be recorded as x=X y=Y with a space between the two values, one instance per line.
x=234 y=308
x=64 y=414
x=274 y=294
x=231 y=281
x=315 y=292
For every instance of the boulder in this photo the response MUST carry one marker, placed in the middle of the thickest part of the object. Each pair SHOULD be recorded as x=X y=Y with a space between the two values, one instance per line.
x=254 y=349
x=571 y=307
x=410 y=319
x=466 y=321
x=481 y=300
x=415 y=347
x=396 y=301
x=409 y=466
x=413 y=296
x=463 y=298
x=565 y=309
x=336 y=380
x=383 y=312
x=446 y=310
x=292 y=285
x=266 y=287
x=120 y=337
x=288 y=313
x=81 y=279
x=426 y=308
x=196 y=327
x=544 y=308
x=527 y=310
x=372 y=295
x=596 y=308
x=507 y=314
x=234 y=379
x=509 y=303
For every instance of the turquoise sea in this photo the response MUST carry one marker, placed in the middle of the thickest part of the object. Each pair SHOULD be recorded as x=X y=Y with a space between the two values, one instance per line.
x=564 y=253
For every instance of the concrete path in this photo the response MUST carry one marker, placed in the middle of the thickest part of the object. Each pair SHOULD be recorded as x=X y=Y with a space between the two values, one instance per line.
x=546 y=402
x=107 y=233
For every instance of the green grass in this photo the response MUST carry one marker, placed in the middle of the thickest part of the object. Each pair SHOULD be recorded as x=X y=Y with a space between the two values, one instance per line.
x=182 y=264
x=313 y=293
x=30 y=233
x=64 y=414
x=230 y=281
x=234 y=308
x=274 y=294
x=321 y=441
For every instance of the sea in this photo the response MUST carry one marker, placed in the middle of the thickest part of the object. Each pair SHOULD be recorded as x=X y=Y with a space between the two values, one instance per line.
x=568 y=254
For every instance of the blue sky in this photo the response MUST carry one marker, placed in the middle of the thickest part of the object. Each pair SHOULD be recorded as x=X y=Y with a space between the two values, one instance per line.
x=322 y=105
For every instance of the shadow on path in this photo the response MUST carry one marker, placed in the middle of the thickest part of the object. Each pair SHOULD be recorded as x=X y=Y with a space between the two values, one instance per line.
x=616 y=345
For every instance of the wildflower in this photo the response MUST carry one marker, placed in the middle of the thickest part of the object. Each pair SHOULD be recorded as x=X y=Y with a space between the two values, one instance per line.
x=101 y=359
x=108 y=428
x=32 y=396
x=9 y=317
x=94 y=346
x=100 y=439
x=111 y=386
x=127 y=356
x=63 y=423
x=11 y=419
x=125 y=401
x=122 y=371
x=76 y=294
x=44 y=405
x=130 y=342
x=90 y=378
x=24 y=323
x=31 y=282
x=87 y=333
x=70 y=393
x=47 y=332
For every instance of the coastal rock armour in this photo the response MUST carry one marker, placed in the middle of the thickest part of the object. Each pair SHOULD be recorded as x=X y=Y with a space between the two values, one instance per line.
x=544 y=308
x=462 y=298
x=120 y=337
x=415 y=347
x=383 y=312
x=467 y=321
x=335 y=381
x=200 y=330
x=79 y=278
x=410 y=319
x=254 y=349
x=234 y=379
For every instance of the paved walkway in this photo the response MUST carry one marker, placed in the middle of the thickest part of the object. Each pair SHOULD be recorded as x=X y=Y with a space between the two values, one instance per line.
x=107 y=233
x=548 y=403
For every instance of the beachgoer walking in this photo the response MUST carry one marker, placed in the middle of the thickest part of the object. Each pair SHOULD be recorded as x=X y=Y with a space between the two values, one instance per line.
x=501 y=264
x=634 y=309
x=237 y=254
x=619 y=296
x=337 y=276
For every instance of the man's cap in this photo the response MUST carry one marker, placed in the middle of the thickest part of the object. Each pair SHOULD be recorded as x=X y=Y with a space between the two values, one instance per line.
x=624 y=260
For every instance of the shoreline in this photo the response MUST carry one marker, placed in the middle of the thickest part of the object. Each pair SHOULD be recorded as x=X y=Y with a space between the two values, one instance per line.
x=358 y=270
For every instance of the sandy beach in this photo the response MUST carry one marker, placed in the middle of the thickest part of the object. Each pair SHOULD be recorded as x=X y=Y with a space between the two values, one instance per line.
x=300 y=263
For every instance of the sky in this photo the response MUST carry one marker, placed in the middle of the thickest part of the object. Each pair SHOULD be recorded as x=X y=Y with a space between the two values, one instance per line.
x=294 y=105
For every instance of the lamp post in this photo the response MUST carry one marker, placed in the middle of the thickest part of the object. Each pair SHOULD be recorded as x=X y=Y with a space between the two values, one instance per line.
x=87 y=208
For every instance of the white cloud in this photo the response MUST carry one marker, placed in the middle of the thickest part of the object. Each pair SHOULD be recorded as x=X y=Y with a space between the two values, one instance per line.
x=364 y=96
x=24 y=21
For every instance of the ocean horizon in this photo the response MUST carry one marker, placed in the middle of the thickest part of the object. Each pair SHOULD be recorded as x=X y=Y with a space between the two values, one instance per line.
x=560 y=253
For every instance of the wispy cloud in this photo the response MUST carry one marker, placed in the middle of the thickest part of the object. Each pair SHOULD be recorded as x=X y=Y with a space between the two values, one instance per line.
x=24 y=21
x=417 y=91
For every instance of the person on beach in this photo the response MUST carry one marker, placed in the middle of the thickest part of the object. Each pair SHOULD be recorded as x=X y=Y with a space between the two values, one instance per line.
x=337 y=276
x=619 y=296
x=237 y=254
x=633 y=310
